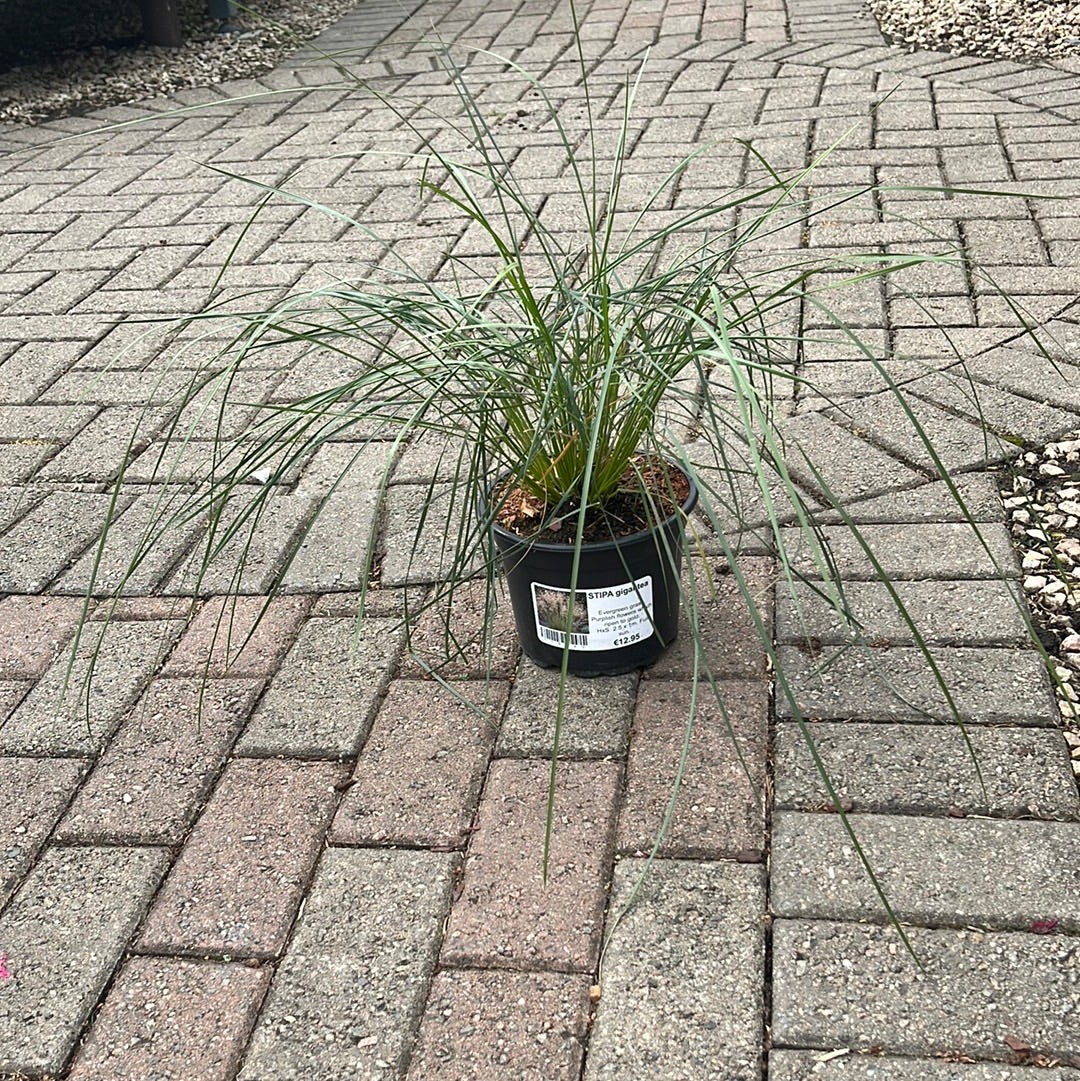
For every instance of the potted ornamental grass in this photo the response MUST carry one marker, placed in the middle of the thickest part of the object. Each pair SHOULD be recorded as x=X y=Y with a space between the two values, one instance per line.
x=609 y=392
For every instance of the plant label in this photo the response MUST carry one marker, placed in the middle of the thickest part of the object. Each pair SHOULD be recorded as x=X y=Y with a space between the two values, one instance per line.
x=605 y=618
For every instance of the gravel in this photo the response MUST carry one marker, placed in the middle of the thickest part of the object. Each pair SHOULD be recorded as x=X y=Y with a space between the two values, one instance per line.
x=1041 y=493
x=1013 y=29
x=46 y=82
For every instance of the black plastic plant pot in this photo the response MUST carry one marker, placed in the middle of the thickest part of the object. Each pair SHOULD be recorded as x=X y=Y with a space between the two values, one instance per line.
x=625 y=606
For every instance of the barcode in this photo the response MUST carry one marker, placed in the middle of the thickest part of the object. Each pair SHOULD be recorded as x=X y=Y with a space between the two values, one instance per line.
x=559 y=637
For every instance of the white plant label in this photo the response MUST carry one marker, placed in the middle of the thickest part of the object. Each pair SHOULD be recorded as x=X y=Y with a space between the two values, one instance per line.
x=606 y=618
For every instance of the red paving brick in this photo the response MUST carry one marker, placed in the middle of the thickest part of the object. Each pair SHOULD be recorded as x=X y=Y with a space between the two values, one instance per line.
x=214 y=644
x=463 y=654
x=162 y=762
x=419 y=775
x=42 y=788
x=238 y=881
x=489 y=1025
x=32 y=633
x=720 y=809
x=506 y=916
x=729 y=639
x=169 y=1018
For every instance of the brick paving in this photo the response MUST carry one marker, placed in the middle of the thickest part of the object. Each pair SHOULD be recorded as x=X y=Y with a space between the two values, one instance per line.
x=315 y=852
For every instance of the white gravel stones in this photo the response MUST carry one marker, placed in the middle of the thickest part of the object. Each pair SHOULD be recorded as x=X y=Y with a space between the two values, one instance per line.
x=1041 y=496
x=75 y=81
x=1016 y=29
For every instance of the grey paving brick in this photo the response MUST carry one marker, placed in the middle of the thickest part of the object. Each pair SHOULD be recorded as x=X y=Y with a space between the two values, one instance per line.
x=506 y=915
x=161 y=764
x=99 y=450
x=35 y=365
x=418 y=777
x=245 y=867
x=927 y=769
x=20 y=461
x=167 y=1017
x=694 y=936
x=976 y=494
x=53 y=423
x=989 y=613
x=935 y=871
x=48 y=538
x=720 y=806
x=957 y=445
x=846 y=466
x=65 y=714
x=64 y=934
x=246 y=555
x=325 y=693
x=12 y=693
x=371 y=920
x=427 y=552
x=988 y=686
x=928 y=550
x=140 y=549
x=974 y=989
x=1029 y=375
x=44 y=787
x=855 y=1066
x=595 y=723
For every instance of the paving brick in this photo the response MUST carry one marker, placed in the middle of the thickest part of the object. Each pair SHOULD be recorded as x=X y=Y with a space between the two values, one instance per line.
x=488 y=1024
x=419 y=775
x=681 y=993
x=165 y=1017
x=50 y=537
x=32 y=632
x=459 y=638
x=1029 y=375
x=506 y=916
x=729 y=641
x=427 y=552
x=974 y=989
x=934 y=871
x=142 y=532
x=241 y=875
x=325 y=693
x=971 y=613
x=596 y=719
x=720 y=803
x=249 y=555
x=857 y=1066
x=67 y=715
x=957 y=551
x=241 y=636
x=988 y=686
x=44 y=787
x=12 y=692
x=334 y=552
x=927 y=769
x=371 y=920
x=957 y=444
x=161 y=763
x=931 y=503
x=99 y=451
x=64 y=934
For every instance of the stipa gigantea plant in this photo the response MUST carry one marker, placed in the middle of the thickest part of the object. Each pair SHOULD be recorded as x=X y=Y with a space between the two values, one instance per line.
x=559 y=371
